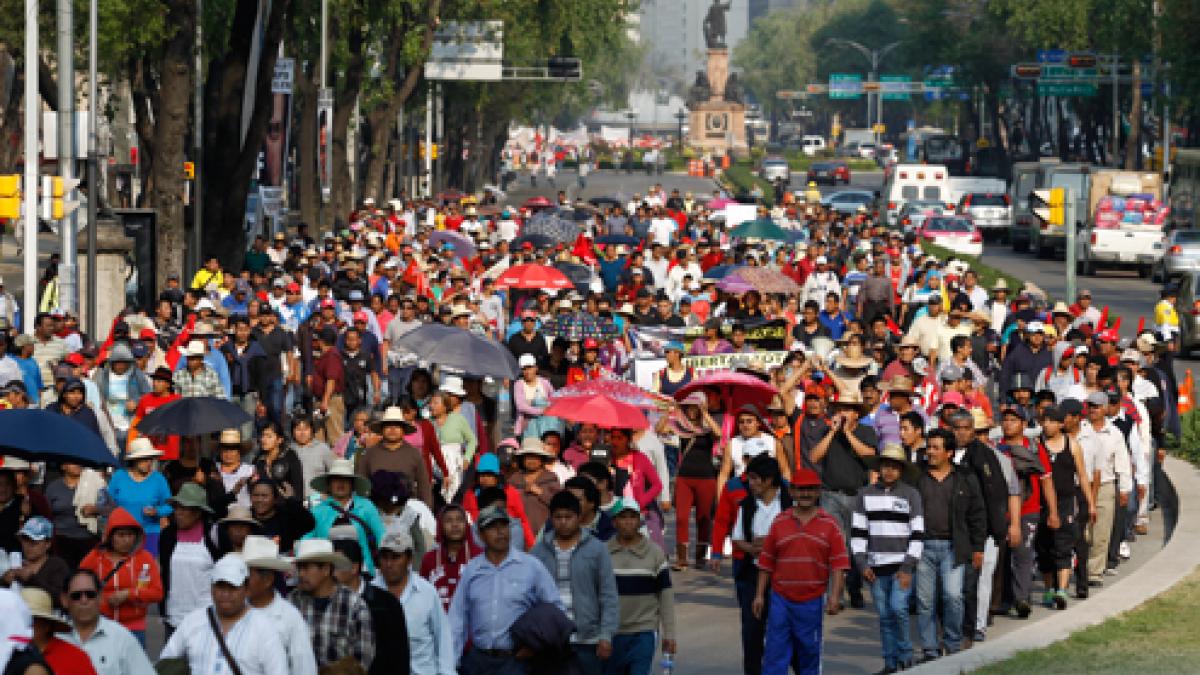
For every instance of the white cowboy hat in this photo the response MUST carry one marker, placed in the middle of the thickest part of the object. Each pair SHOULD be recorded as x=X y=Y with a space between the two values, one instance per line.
x=142 y=448
x=319 y=551
x=263 y=553
x=533 y=446
x=341 y=468
x=194 y=348
x=393 y=415
x=453 y=384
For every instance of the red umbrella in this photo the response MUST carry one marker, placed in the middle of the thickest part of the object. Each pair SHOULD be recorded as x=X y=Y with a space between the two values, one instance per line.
x=533 y=276
x=733 y=388
x=598 y=409
x=538 y=202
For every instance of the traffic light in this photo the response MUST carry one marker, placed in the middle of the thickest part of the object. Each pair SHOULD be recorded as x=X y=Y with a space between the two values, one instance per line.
x=53 y=204
x=565 y=68
x=10 y=197
x=1027 y=71
x=1050 y=205
x=1083 y=60
x=189 y=170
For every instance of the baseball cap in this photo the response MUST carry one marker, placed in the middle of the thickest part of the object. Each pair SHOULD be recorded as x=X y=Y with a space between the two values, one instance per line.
x=293 y=287
x=397 y=542
x=628 y=505
x=805 y=477
x=361 y=316
x=231 y=570
x=1097 y=398
x=1055 y=413
x=1071 y=406
x=1035 y=327
x=328 y=302
x=37 y=528
x=527 y=360
x=491 y=515
x=952 y=373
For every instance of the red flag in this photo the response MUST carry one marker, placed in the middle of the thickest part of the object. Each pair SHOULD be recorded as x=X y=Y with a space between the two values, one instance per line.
x=1117 y=325
x=181 y=340
x=1141 y=324
x=1103 y=319
x=891 y=325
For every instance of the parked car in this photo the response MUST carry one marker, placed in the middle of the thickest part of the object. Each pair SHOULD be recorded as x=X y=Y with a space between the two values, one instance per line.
x=775 y=168
x=914 y=213
x=988 y=210
x=1187 y=305
x=956 y=233
x=848 y=201
x=1181 y=256
x=829 y=172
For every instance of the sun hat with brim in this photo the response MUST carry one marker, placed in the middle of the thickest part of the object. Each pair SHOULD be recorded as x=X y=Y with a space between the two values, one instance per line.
x=320 y=551
x=909 y=342
x=240 y=514
x=262 y=553
x=491 y=515
x=397 y=542
x=230 y=437
x=192 y=496
x=894 y=452
x=141 y=448
x=393 y=415
x=120 y=353
x=194 y=348
x=1000 y=285
x=899 y=384
x=453 y=385
x=849 y=399
x=42 y=607
x=533 y=446
x=341 y=468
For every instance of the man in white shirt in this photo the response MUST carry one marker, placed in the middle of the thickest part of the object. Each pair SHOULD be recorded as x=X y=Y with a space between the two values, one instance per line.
x=112 y=649
x=1107 y=462
x=265 y=565
x=430 y=642
x=249 y=635
x=926 y=330
x=662 y=228
x=820 y=283
x=659 y=265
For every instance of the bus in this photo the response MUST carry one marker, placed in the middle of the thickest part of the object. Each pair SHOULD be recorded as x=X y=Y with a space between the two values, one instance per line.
x=1185 y=188
x=948 y=150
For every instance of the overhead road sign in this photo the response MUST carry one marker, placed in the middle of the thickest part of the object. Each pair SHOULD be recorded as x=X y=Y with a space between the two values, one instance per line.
x=1052 y=55
x=845 y=86
x=1085 y=89
x=467 y=51
x=898 y=87
x=1026 y=71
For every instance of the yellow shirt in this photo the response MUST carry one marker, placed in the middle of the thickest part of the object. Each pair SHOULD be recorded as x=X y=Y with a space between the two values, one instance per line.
x=1165 y=314
x=203 y=277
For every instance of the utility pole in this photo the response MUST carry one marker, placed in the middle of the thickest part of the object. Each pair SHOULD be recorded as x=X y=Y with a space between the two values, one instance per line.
x=1116 y=111
x=873 y=57
x=68 y=297
x=1070 y=225
x=324 y=95
x=440 y=161
x=29 y=186
x=428 y=177
x=93 y=171
x=195 y=254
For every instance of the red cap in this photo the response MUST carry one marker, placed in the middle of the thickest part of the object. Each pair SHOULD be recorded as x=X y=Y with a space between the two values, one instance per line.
x=147 y=334
x=361 y=316
x=75 y=359
x=293 y=287
x=814 y=389
x=1108 y=335
x=528 y=246
x=328 y=302
x=805 y=477
x=591 y=343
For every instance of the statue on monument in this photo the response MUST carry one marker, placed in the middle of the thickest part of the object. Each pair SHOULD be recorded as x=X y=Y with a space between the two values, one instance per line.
x=701 y=90
x=714 y=24
x=733 y=90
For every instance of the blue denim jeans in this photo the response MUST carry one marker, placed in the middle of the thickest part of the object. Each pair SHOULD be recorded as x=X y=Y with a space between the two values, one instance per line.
x=632 y=654
x=891 y=601
x=937 y=574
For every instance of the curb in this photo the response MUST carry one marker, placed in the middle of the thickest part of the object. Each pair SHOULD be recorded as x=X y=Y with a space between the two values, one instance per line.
x=1166 y=568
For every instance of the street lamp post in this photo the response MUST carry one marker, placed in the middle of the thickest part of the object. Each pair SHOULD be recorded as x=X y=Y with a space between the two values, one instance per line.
x=680 y=117
x=631 y=116
x=873 y=56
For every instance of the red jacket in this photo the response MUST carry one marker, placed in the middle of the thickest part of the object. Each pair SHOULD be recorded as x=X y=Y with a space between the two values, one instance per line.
x=137 y=574
x=727 y=511
x=514 y=505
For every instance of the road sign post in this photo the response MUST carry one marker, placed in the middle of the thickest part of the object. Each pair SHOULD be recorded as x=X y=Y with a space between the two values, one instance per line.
x=1072 y=240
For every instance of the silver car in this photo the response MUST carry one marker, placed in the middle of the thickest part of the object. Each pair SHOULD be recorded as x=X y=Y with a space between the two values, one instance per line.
x=913 y=214
x=989 y=211
x=1181 y=255
x=1189 y=315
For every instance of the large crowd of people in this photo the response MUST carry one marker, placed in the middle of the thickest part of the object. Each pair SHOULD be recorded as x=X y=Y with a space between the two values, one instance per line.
x=930 y=445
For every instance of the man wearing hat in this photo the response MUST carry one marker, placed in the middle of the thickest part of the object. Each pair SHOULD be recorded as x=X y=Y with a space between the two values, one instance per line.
x=38 y=568
x=266 y=568
x=196 y=377
x=802 y=556
x=338 y=619
x=31 y=374
x=228 y=625
x=885 y=542
x=430 y=642
x=496 y=589
x=1028 y=357
x=394 y=453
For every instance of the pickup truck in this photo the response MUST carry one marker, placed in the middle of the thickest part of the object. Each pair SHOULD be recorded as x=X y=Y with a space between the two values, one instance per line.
x=1112 y=241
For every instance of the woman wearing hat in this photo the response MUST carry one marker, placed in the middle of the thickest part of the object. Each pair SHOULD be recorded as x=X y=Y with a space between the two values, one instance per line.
x=531 y=395
x=187 y=554
x=61 y=656
x=696 y=478
x=122 y=384
x=142 y=491
x=535 y=482
x=675 y=375
x=234 y=474
x=346 y=503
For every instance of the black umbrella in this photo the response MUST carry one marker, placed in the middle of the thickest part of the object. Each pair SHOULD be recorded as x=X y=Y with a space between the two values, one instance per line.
x=461 y=350
x=40 y=435
x=561 y=230
x=580 y=275
x=193 y=416
x=537 y=240
x=618 y=240
x=603 y=202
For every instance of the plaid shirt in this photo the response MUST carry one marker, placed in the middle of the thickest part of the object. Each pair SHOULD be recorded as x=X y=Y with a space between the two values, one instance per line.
x=342 y=629
x=203 y=383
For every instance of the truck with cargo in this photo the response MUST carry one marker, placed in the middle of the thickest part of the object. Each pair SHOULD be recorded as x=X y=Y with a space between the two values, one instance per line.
x=1125 y=222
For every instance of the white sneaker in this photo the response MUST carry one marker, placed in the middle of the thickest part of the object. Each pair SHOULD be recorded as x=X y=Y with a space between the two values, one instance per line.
x=1123 y=550
x=1110 y=572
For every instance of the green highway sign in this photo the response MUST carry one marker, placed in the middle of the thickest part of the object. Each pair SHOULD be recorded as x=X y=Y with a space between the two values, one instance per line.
x=895 y=87
x=1061 y=88
x=845 y=85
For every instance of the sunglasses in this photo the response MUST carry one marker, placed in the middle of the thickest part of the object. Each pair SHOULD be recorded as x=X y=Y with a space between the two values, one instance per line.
x=80 y=595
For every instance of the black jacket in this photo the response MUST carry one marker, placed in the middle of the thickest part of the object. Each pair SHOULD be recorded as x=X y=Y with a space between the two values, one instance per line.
x=968 y=518
x=982 y=461
x=387 y=616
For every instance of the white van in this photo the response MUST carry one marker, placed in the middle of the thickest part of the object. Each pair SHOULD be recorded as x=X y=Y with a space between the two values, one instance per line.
x=907 y=182
x=812 y=145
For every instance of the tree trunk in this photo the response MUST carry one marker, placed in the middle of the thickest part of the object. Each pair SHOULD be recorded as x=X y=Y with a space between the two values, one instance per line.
x=162 y=120
x=12 y=124
x=229 y=162
x=1135 y=119
x=308 y=187
x=345 y=98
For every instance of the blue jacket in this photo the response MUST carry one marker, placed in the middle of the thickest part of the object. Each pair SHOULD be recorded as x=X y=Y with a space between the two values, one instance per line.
x=327 y=512
x=593 y=586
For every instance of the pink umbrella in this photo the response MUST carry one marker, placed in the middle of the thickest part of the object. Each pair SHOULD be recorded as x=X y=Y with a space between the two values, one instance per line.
x=599 y=409
x=533 y=276
x=618 y=390
x=733 y=387
x=719 y=203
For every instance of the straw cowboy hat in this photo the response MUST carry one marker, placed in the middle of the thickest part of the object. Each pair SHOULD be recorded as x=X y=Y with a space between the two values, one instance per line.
x=533 y=446
x=142 y=448
x=1000 y=285
x=341 y=468
x=899 y=384
x=263 y=553
x=319 y=551
x=230 y=437
x=852 y=357
x=41 y=607
x=849 y=398
x=240 y=514
x=894 y=452
x=393 y=415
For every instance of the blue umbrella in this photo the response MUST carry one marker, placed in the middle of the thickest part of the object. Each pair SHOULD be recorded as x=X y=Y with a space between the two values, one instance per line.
x=618 y=240
x=193 y=416
x=40 y=435
x=538 y=241
x=720 y=271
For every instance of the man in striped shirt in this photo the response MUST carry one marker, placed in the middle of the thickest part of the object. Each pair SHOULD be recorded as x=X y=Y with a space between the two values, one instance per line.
x=885 y=541
x=802 y=552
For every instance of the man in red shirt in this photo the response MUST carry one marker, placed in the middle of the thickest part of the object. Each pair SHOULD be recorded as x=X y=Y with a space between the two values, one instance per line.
x=803 y=550
x=327 y=382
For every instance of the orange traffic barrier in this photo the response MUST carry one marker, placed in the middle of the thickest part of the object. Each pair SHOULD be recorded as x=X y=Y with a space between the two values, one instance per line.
x=1187 y=393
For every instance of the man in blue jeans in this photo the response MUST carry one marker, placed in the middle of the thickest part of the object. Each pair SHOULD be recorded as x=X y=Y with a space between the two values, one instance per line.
x=955 y=531
x=886 y=534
